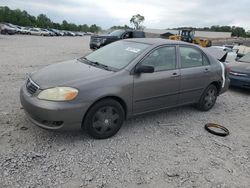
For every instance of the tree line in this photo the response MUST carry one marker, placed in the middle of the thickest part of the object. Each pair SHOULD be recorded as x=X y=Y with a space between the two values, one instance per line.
x=236 y=31
x=23 y=18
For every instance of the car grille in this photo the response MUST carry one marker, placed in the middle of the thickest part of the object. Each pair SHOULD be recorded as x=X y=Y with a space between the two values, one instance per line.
x=31 y=86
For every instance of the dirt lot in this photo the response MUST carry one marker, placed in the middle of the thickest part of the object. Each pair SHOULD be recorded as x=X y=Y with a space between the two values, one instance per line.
x=243 y=41
x=144 y=153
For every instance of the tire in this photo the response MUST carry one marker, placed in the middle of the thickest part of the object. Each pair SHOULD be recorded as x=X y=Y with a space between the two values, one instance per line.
x=208 y=98
x=104 y=119
x=4 y=32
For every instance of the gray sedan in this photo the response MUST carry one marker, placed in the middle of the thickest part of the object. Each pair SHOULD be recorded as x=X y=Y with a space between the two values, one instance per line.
x=121 y=80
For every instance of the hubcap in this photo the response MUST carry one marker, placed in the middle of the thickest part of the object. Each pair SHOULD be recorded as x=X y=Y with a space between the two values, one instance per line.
x=210 y=97
x=105 y=119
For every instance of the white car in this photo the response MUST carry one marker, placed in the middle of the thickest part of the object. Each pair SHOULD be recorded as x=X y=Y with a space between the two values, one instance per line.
x=231 y=53
x=45 y=32
x=24 y=30
x=34 y=31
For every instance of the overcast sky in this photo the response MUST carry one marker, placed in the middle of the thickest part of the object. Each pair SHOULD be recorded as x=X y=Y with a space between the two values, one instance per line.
x=159 y=14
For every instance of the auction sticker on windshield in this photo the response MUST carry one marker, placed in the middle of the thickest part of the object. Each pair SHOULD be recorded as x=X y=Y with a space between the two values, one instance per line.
x=134 y=50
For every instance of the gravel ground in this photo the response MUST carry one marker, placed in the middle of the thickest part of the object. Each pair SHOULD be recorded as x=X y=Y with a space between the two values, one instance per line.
x=243 y=41
x=163 y=149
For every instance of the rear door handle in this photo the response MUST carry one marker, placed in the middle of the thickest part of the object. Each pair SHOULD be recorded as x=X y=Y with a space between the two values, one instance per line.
x=206 y=70
x=175 y=74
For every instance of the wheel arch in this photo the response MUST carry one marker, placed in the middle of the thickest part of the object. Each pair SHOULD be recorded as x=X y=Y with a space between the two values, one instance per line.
x=217 y=84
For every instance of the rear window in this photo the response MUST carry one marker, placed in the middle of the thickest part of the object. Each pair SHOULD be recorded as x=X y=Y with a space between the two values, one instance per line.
x=191 y=57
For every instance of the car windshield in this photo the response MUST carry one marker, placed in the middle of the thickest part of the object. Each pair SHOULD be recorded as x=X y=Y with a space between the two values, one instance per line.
x=118 y=54
x=117 y=33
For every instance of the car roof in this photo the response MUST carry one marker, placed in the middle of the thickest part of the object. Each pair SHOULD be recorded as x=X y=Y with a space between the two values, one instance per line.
x=157 y=41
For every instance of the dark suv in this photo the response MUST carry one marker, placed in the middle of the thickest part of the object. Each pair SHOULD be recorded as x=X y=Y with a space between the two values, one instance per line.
x=98 y=41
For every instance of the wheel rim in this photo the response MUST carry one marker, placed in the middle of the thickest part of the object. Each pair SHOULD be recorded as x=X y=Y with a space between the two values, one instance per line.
x=105 y=120
x=210 y=97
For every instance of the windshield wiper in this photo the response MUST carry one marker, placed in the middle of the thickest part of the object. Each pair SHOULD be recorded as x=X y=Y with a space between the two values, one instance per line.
x=97 y=64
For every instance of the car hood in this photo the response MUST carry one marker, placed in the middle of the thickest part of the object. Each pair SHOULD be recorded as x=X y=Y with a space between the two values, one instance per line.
x=240 y=67
x=70 y=73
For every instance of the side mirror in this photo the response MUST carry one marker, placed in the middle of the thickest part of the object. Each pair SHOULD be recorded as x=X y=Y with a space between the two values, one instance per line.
x=144 y=69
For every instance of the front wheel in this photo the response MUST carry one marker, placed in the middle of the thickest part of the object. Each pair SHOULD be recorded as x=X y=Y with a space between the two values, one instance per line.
x=208 y=98
x=104 y=119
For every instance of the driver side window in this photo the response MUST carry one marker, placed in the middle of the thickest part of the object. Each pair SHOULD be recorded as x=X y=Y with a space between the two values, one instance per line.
x=161 y=59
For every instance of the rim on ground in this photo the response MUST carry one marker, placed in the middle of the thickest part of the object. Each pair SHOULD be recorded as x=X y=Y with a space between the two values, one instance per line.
x=208 y=127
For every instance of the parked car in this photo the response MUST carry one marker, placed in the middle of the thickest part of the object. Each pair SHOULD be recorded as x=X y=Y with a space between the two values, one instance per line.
x=241 y=49
x=240 y=72
x=24 y=30
x=34 y=31
x=45 y=32
x=70 y=33
x=56 y=32
x=231 y=53
x=121 y=80
x=5 y=29
x=97 y=41
x=15 y=27
x=80 y=34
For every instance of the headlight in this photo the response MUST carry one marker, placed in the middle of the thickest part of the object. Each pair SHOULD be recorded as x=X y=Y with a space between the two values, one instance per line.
x=58 y=94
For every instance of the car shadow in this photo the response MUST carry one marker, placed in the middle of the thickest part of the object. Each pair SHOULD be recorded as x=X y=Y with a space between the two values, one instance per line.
x=147 y=120
x=240 y=90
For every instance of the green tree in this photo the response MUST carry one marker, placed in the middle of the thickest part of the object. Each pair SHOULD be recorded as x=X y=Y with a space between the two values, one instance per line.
x=238 y=31
x=137 y=21
x=23 y=18
x=43 y=21
x=120 y=27
x=94 y=28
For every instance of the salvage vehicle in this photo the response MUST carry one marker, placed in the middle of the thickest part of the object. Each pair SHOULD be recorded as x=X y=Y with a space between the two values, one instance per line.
x=5 y=29
x=34 y=31
x=231 y=53
x=121 y=80
x=240 y=72
x=24 y=30
x=97 y=41
x=45 y=32
x=187 y=35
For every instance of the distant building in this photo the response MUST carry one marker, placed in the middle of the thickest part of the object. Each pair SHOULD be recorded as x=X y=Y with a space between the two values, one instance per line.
x=154 y=33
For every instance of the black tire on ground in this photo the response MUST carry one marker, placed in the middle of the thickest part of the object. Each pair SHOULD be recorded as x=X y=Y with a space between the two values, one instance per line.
x=208 y=98
x=3 y=32
x=104 y=119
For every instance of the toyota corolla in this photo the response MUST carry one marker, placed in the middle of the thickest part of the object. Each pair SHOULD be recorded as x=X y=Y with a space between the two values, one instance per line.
x=121 y=80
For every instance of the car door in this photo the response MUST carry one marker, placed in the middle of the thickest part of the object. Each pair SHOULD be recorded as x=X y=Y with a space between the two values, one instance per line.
x=159 y=89
x=195 y=73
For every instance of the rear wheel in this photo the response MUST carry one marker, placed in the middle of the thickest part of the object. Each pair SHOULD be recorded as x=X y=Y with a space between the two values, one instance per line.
x=208 y=98
x=104 y=119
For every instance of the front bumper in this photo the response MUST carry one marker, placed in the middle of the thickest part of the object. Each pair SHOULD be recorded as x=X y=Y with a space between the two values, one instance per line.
x=238 y=81
x=94 y=45
x=50 y=114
